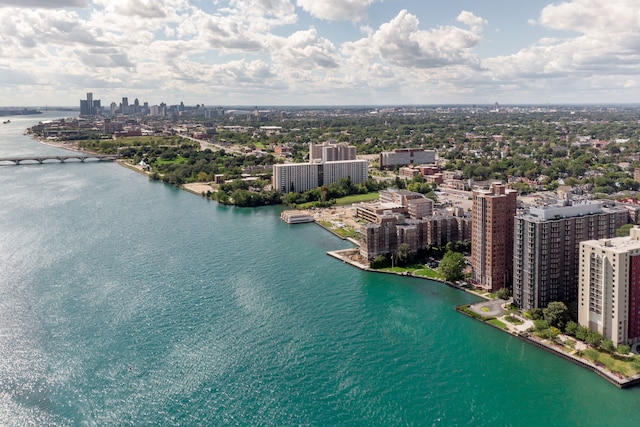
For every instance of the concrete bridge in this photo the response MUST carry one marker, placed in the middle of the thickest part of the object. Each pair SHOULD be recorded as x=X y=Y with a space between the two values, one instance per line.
x=6 y=161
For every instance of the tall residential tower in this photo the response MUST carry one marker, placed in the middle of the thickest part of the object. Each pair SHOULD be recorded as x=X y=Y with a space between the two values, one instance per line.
x=609 y=287
x=547 y=244
x=493 y=215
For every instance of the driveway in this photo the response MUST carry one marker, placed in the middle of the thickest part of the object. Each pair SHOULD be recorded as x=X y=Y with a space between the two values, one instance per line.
x=491 y=308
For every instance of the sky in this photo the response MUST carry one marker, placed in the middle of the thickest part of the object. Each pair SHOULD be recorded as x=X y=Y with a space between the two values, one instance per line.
x=319 y=52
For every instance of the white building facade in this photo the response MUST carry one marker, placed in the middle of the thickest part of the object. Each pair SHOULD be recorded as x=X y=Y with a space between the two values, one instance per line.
x=300 y=177
x=609 y=287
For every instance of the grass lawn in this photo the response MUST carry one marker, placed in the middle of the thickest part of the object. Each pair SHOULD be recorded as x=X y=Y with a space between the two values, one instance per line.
x=357 y=198
x=344 y=201
x=496 y=322
x=416 y=270
x=625 y=367
x=427 y=272
x=177 y=161
x=345 y=232
x=405 y=269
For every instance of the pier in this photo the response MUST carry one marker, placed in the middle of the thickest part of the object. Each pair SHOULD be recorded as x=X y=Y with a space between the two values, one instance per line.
x=6 y=161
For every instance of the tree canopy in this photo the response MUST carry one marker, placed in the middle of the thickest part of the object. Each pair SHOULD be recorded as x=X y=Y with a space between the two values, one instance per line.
x=452 y=266
x=556 y=314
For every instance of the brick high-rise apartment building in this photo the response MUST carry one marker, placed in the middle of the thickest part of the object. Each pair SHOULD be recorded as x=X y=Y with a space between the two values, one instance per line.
x=492 y=237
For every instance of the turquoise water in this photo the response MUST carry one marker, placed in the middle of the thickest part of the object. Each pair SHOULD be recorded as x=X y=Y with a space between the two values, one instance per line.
x=128 y=302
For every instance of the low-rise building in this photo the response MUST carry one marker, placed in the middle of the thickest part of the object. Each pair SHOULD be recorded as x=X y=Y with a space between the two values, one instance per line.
x=406 y=156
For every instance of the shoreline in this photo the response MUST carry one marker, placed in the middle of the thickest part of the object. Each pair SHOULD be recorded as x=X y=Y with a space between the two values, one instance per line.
x=543 y=344
x=342 y=255
x=196 y=188
x=622 y=383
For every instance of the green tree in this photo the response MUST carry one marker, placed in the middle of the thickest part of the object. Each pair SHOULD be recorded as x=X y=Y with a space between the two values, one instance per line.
x=623 y=349
x=503 y=293
x=570 y=328
x=536 y=314
x=593 y=338
x=556 y=314
x=380 y=261
x=581 y=332
x=607 y=345
x=403 y=254
x=452 y=266
x=540 y=325
x=625 y=230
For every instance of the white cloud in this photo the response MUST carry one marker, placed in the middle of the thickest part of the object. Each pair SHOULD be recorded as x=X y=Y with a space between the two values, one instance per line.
x=336 y=10
x=104 y=58
x=304 y=49
x=247 y=50
x=401 y=42
x=44 y=4
x=474 y=22
x=607 y=42
x=589 y=16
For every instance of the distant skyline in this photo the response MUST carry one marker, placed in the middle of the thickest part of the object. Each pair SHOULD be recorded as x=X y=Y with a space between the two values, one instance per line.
x=319 y=52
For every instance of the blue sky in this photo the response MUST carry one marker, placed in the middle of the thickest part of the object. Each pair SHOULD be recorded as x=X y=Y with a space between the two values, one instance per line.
x=320 y=52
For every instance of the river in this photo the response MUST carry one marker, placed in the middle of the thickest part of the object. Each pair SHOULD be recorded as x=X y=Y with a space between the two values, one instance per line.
x=126 y=302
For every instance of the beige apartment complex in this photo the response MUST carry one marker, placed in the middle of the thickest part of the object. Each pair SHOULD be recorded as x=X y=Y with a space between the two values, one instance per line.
x=609 y=287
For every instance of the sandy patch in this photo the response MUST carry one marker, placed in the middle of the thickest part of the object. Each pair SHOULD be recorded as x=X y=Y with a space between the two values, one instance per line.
x=198 y=187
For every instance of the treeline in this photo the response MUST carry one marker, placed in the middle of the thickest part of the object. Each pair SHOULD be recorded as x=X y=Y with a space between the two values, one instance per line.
x=246 y=194
x=253 y=193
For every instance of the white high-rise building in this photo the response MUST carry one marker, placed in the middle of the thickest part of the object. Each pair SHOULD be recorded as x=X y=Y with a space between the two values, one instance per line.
x=609 y=287
x=299 y=177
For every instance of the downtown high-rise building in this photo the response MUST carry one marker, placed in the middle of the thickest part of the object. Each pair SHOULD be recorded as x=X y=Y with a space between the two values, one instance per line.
x=492 y=219
x=547 y=244
x=89 y=106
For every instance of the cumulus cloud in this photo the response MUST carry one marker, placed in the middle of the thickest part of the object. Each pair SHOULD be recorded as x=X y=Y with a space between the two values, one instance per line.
x=401 y=42
x=44 y=4
x=608 y=39
x=228 y=34
x=147 y=9
x=261 y=15
x=305 y=49
x=105 y=58
x=34 y=28
x=336 y=10
x=474 y=22
x=588 y=16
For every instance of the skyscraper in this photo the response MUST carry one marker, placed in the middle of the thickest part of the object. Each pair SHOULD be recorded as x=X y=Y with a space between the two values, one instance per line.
x=492 y=215
x=89 y=107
